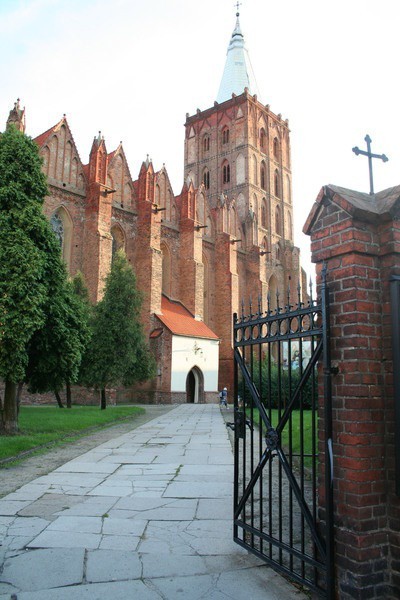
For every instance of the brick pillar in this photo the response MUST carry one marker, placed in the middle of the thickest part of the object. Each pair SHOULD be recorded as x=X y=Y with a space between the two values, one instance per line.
x=191 y=266
x=226 y=303
x=97 y=252
x=148 y=257
x=359 y=242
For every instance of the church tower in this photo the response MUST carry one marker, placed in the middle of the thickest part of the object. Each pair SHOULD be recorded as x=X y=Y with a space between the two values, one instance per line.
x=239 y=150
x=17 y=117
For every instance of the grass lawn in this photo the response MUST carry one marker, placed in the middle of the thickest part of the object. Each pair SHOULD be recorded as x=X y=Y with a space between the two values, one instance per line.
x=44 y=425
x=296 y=428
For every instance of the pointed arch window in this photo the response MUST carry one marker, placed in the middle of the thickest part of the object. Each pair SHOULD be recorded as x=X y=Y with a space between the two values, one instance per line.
x=278 y=221
x=206 y=143
x=58 y=227
x=225 y=135
x=264 y=214
x=277 y=187
x=288 y=190
x=61 y=224
x=226 y=173
x=262 y=139
x=263 y=176
x=206 y=179
x=276 y=149
x=166 y=269
x=289 y=226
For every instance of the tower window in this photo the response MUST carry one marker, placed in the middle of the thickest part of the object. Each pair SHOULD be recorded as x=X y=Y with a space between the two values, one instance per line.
x=226 y=173
x=206 y=143
x=277 y=188
x=276 y=149
x=262 y=139
x=264 y=217
x=263 y=176
x=278 y=224
x=225 y=136
x=206 y=179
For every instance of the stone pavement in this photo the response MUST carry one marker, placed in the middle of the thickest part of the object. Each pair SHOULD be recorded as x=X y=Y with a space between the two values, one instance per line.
x=146 y=516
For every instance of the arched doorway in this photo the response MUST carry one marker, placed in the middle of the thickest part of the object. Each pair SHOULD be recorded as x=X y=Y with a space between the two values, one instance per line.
x=195 y=386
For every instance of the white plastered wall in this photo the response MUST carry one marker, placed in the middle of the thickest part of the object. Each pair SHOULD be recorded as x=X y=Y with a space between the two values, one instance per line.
x=188 y=352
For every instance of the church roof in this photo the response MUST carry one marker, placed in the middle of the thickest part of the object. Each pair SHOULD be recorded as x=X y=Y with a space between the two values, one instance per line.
x=181 y=322
x=238 y=73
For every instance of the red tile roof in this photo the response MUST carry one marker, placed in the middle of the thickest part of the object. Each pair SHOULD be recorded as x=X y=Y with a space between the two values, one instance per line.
x=40 y=139
x=181 y=322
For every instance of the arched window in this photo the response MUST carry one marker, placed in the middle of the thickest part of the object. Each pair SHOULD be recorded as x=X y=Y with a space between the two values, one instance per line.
x=58 y=227
x=276 y=149
x=206 y=179
x=61 y=224
x=225 y=135
x=263 y=176
x=264 y=214
x=166 y=270
x=206 y=143
x=226 y=173
x=277 y=187
x=289 y=234
x=288 y=190
x=278 y=221
x=255 y=169
x=262 y=139
x=287 y=154
x=240 y=169
x=157 y=195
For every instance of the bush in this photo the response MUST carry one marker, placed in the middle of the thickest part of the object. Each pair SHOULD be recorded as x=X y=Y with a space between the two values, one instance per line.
x=277 y=386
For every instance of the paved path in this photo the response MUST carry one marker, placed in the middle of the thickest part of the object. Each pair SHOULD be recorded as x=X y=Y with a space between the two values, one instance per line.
x=144 y=516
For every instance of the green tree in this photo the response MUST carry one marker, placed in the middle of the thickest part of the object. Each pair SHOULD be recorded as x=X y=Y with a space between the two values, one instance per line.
x=44 y=330
x=55 y=350
x=117 y=353
x=25 y=240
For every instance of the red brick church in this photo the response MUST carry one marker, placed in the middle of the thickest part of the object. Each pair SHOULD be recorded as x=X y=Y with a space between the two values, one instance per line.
x=226 y=235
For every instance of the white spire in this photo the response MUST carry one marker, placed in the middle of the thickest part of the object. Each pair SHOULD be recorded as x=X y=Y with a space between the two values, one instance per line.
x=238 y=72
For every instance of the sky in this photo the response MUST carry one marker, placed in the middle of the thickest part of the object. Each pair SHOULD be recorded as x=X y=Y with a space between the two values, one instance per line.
x=133 y=70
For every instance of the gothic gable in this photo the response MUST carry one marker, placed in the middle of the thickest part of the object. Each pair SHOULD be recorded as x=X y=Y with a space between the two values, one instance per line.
x=164 y=197
x=119 y=179
x=61 y=161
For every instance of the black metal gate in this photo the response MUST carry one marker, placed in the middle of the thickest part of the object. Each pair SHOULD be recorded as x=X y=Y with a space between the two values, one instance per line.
x=283 y=496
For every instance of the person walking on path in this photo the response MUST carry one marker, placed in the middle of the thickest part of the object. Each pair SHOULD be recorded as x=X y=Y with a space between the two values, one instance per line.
x=223 y=398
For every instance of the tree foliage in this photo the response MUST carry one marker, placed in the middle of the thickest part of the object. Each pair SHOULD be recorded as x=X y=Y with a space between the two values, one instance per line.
x=56 y=350
x=38 y=326
x=117 y=353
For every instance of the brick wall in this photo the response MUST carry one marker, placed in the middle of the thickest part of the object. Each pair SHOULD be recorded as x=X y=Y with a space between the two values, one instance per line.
x=357 y=236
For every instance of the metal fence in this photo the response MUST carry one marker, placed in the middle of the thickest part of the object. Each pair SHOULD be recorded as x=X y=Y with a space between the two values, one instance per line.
x=283 y=497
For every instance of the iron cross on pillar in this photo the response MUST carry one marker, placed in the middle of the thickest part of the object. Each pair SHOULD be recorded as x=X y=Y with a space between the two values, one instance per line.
x=383 y=157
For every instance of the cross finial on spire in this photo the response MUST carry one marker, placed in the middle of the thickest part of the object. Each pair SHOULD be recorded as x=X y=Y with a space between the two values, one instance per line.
x=370 y=155
x=237 y=7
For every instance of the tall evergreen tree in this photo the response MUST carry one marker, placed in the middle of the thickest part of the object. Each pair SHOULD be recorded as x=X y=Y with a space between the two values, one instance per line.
x=117 y=353
x=31 y=269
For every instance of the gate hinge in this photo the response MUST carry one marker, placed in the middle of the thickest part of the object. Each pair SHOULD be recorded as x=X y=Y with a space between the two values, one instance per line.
x=240 y=422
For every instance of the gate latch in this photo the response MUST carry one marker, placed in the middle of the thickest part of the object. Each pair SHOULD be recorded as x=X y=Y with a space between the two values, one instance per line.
x=240 y=422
